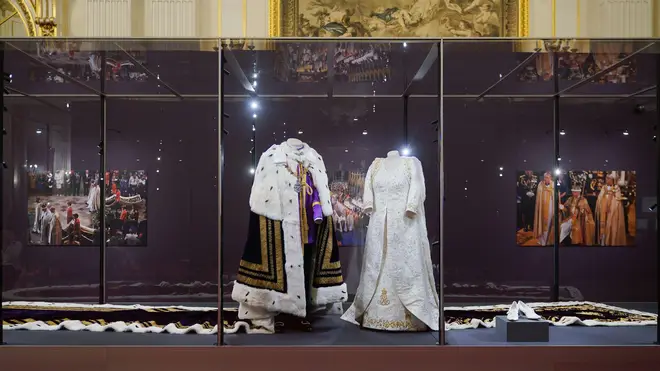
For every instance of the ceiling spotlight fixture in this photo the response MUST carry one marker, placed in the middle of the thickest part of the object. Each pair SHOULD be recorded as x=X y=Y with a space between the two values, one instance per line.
x=254 y=83
x=38 y=131
x=501 y=168
x=562 y=132
x=254 y=105
x=405 y=151
x=254 y=75
x=558 y=171
x=355 y=119
x=254 y=115
x=364 y=132
x=405 y=45
x=625 y=132
x=68 y=105
x=251 y=170
x=299 y=132
x=346 y=150
x=500 y=174
x=558 y=158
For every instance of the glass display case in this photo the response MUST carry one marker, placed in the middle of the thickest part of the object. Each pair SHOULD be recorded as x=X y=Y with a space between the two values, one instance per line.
x=330 y=192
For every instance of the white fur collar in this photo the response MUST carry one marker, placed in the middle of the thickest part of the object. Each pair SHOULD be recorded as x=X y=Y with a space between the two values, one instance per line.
x=272 y=191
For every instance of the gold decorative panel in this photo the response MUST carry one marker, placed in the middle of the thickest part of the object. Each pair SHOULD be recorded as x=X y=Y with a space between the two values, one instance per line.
x=400 y=18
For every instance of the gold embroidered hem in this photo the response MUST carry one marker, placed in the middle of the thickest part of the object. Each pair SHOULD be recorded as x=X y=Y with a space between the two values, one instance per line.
x=408 y=323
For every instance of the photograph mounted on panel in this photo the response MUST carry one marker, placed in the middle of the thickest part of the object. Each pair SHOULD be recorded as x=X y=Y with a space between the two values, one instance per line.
x=396 y=18
x=350 y=62
x=579 y=66
x=346 y=191
x=64 y=207
x=596 y=208
x=80 y=60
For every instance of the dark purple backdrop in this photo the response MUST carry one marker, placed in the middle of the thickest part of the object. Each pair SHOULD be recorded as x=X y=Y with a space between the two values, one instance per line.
x=480 y=137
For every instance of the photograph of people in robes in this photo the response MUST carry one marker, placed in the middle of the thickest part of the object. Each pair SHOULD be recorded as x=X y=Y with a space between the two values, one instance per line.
x=346 y=197
x=596 y=208
x=78 y=60
x=64 y=207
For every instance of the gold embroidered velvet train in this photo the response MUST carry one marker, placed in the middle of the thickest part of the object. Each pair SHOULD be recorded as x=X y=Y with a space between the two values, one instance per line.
x=290 y=262
x=182 y=320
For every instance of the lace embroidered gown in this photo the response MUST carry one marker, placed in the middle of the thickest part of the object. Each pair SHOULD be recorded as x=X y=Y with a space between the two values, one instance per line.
x=397 y=289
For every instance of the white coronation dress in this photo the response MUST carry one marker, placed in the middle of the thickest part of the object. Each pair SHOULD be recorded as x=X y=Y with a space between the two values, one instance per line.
x=397 y=289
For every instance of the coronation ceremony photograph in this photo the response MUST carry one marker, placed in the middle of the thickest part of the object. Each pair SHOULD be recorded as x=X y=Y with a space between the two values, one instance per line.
x=596 y=208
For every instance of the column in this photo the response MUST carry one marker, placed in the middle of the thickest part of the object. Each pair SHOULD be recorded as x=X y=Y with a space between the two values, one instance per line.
x=98 y=18
x=171 y=18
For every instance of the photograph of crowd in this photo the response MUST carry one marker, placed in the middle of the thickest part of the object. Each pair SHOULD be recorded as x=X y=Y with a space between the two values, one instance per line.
x=351 y=222
x=596 y=208
x=578 y=66
x=64 y=207
x=302 y=62
x=78 y=60
x=350 y=62
x=362 y=62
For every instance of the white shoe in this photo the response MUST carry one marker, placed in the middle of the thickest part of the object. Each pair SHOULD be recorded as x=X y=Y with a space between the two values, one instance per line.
x=513 y=312
x=527 y=311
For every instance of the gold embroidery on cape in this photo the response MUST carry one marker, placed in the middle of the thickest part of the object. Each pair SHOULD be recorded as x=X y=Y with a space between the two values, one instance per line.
x=402 y=325
x=383 y=298
x=272 y=230
x=265 y=243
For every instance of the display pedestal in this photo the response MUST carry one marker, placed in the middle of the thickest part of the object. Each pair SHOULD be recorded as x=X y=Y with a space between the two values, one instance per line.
x=522 y=330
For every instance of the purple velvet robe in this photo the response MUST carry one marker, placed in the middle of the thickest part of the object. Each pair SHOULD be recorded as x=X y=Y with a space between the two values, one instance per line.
x=312 y=206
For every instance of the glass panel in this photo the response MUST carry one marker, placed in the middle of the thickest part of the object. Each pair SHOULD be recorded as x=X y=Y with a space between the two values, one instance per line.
x=608 y=149
x=50 y=245
x=491 y=145
x=50 y=66
x=347 y=130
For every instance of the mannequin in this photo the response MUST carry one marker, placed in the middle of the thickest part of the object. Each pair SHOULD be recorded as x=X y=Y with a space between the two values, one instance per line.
x=397 y=289
x=290 y=229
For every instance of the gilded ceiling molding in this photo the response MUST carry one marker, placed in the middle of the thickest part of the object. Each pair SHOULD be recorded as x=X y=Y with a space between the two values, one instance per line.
x=26 y=12
x=274 y=18
x=523 y=18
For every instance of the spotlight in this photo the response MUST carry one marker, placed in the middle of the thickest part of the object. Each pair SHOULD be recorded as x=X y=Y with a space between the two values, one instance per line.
x=68 y=105
x=653 y=207
x=300 y=132
x=364 y=132
x=254 y=83
x=501 y=168
x=626 y=133
x=251 y=170
x=254 y=115
x=355 y=119
x=38 y=131
x=405 y=45
x=558 y=171
x=254 y=105
x=562 y=132
x=254 y=75
x=405 y=151
x=500 y=174
x=346 y=150
x=558 y=158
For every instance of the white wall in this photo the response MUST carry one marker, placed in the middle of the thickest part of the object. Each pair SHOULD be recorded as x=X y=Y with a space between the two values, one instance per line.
x=99 y=18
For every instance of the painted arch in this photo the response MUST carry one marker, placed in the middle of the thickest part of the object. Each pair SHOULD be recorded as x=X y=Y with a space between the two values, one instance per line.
x=25 y=9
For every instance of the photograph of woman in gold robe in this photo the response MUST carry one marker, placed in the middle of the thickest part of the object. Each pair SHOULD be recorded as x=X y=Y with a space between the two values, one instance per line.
x=610 y=213
x=596 y=208
x=577 y=213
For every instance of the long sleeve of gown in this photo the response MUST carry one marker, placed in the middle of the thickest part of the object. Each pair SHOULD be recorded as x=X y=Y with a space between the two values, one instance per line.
x=417 y=191
x=368 y=194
